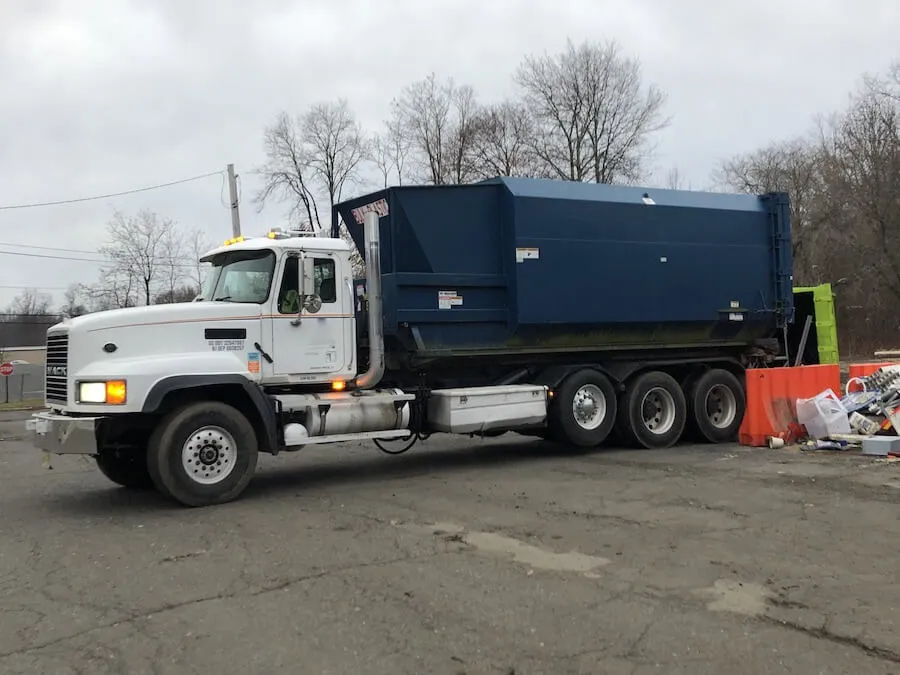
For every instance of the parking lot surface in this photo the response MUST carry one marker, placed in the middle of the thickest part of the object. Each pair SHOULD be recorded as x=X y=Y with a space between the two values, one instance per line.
x=462 y=556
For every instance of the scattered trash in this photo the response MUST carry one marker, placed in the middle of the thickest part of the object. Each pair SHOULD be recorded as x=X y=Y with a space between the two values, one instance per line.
x=823 y=445
x=881 y=446
x=867 y=426
x=823 y=415
x=866 y=420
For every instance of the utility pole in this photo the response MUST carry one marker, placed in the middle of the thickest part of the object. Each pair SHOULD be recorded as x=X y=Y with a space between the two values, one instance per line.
x=232 y=190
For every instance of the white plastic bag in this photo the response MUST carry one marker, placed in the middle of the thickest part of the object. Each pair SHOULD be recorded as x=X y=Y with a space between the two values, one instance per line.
x=823 y=415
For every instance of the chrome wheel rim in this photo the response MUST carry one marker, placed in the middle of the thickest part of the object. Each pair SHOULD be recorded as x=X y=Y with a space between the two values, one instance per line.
x=589 y=407
x=208 y=455
x=721 y=406
x=658 y=411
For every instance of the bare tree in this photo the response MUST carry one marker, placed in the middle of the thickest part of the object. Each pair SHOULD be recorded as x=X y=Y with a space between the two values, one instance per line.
x=25 y=320
x=380 y=155
x=438 y=119
x=141 y=248
x=389 y=152
x=183 y=293
x=117 y=288
x=794 y=167
x=335 y=148
x=286 y=173
x=593 y=115
x=674 y=180
x=197 y=245
x=74 y=304
x=862 y=157
x=312 y=158
x=504 y=136
x=30 y=303
x=844 y=184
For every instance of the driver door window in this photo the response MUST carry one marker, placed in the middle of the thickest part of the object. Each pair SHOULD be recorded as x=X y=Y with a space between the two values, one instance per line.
x=325 y=284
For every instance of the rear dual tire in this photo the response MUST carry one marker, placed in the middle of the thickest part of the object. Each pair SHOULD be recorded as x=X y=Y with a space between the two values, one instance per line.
x=716 y=404
x=653 y=412
x=656 y=411
x=583 y=410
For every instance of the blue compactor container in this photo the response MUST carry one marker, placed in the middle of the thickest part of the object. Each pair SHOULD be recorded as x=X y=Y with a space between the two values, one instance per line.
x=544 y=268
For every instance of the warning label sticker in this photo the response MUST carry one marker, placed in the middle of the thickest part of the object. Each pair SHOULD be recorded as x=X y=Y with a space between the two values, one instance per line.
x=253 y=362
x=527 y=254
x=448 y=299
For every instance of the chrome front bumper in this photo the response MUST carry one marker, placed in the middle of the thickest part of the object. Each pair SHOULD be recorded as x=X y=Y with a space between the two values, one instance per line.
x=62 y=435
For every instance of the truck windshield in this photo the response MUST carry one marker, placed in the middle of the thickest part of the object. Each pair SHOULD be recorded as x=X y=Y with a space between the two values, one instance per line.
x=239 y=276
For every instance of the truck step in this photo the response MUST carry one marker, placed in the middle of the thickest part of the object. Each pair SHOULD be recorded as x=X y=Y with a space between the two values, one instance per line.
x=363 y=436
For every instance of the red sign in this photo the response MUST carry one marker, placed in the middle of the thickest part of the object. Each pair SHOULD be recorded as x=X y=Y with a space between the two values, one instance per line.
x=6 y=369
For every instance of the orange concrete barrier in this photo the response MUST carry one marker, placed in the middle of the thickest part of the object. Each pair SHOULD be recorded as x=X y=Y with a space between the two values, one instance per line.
x=772 y=395
x=863 y=370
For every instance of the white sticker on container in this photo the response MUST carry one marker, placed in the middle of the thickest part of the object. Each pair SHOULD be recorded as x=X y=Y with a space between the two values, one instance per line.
x=527 y=254
x=735 y=317
x=448 y=299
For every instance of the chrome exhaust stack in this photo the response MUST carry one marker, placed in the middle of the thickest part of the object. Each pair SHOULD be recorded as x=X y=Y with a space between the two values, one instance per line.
x=373 y=375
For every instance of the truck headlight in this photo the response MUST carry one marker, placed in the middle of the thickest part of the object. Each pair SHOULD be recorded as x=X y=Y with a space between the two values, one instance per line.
x=112 y=392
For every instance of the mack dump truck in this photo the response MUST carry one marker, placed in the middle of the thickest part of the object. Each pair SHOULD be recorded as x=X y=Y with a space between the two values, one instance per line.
x=577 y=313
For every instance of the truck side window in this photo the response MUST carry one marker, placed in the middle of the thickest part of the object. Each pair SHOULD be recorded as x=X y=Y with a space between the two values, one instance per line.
x=326 y=285
x=324 y=275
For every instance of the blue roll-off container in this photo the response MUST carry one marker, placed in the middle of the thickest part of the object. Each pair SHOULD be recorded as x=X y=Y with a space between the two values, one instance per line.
x=527 y=265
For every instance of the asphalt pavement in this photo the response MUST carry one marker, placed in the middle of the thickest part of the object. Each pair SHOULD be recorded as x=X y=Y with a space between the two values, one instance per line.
x=462 y=556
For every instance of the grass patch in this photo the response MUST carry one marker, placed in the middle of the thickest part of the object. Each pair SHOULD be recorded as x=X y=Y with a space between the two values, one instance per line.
x=27 y=404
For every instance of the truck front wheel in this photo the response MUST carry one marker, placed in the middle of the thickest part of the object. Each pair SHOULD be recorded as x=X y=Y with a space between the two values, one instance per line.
x=584 y=409
x=203 y=453
x=125 y=468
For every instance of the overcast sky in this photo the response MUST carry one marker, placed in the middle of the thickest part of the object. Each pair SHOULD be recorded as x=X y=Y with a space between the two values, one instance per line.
x=101 y=96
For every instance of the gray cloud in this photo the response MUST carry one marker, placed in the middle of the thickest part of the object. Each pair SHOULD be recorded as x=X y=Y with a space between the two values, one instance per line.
x=109 y=95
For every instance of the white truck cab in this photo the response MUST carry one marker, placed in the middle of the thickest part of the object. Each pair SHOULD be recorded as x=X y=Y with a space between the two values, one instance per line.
x=246 y=322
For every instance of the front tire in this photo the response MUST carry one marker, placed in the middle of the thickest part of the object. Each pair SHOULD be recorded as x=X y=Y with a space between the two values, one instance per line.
x=125 y=468
x=584 y=410
x=202 y=454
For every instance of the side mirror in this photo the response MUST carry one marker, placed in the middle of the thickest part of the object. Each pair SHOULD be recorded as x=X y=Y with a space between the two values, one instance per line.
x=306 y=283
x=307 y=275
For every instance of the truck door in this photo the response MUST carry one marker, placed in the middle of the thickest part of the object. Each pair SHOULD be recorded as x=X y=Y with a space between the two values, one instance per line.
x=317 y=345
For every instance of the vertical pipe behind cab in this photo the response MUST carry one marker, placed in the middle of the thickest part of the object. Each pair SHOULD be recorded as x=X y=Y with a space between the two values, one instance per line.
x=373 y=375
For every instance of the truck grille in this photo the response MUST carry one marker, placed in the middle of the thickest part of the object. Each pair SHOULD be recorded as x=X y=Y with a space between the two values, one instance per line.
x=56 y=378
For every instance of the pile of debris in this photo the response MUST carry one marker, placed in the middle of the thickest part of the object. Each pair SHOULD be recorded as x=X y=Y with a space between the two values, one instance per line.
x=866 y=417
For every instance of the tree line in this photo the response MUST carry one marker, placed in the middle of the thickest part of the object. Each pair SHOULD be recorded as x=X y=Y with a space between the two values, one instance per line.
x=843 y=177
x=584 y=114
x=147 y=259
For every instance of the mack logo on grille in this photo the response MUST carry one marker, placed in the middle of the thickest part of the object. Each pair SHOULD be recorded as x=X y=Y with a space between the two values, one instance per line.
x=57 y=371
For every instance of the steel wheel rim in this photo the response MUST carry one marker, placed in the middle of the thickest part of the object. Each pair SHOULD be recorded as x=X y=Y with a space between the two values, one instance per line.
x=589 y=407
x=209 y=455
x=720 y=406
x=658 y=411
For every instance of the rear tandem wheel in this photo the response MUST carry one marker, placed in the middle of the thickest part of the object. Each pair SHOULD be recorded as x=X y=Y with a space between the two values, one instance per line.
x=583 y=410
x=653 y=411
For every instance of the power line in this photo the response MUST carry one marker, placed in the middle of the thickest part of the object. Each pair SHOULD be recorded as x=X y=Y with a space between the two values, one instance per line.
x=111 y=194
x=54 y=257
x=161 y=261
x=47 y=248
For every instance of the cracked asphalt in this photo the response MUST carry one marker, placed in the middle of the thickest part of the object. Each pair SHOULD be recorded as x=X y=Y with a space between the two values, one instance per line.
x=504 y=556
